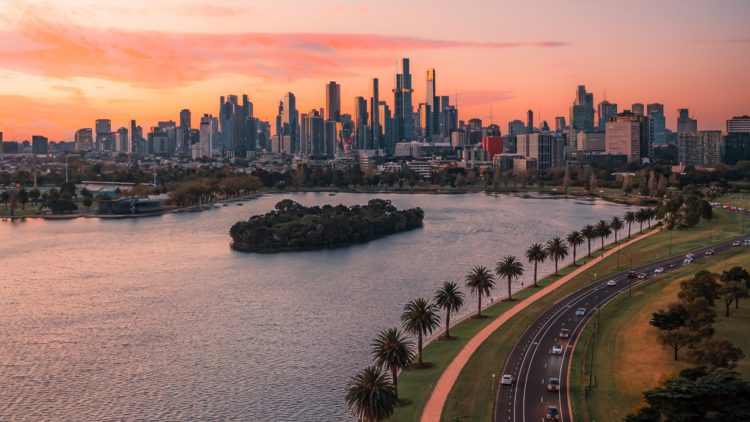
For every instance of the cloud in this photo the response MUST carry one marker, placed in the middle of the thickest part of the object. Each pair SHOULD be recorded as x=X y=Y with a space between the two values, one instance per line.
x=76 y=94
x=735 y=41
x=62 y=49
x=43 y=123
x=202 y=10
x=473 y=98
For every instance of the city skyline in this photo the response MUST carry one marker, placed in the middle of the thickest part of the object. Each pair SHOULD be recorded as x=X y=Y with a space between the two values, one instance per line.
x=61 y=75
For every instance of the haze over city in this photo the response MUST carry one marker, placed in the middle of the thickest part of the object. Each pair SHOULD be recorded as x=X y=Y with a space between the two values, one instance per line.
x=65 y=64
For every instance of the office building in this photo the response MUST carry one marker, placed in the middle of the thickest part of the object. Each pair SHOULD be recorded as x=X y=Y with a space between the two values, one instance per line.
x=384 y=113
x=624 y=137
x=360 y=119
x=581 y=114
x=103 y=135
x=122 y=140
x=424 y=113
x=685 y=124
x=84 y=139
x=739 y=124
x=592 y=141
x=655 y=107
x=205 y=143
x=444 y=104
x=289 y=122
x=560 y=125
x=736 y=147
x=450 y=121
x=374 y=117
x=700 y=148
x=638 y=109
x=516 y=127
x=645 y=127
x=529 y=122
x=186 y=123
x=317 y=134
x=605 y=110
x=493 y=144
x=475 y=124
x=330 y=137
x=39 y=145
x=403 y=114
x=432 y=126
x=658 y=123
x=333 y=101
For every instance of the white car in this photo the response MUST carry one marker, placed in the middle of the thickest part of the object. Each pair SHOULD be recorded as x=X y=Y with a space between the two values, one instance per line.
x=507 y=380
x=557 y=349
x=611 y=283
x=659 y=270
x=737 y=243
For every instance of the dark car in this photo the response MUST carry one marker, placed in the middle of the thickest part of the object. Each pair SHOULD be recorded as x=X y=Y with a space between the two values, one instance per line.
x=554 y=384
x=564 y=333
x=631 y=274
x=552 y=413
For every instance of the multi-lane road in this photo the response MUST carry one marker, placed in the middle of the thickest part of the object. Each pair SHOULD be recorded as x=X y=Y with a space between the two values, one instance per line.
x=532 y=363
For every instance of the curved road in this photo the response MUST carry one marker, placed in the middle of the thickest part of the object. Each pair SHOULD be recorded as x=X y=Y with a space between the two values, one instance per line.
x=531 y=362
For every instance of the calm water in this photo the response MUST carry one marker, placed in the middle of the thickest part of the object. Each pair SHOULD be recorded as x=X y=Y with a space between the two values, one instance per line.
x=158 y=319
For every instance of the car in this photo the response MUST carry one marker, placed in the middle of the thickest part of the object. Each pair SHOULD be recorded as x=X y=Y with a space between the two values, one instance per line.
x=710 y=252
x=557 y=349
x=581 y=312
x=687 y=261
x=734 y=208
x=631 y=274
x=691 y=256
x=611 y=283
x=554 y=384
x=747 y=241
x=737 y=243
x=564 y=333
x=506 y=380
x=552 y=413
x=726 y=206
x=659 y=270
x=642 y=275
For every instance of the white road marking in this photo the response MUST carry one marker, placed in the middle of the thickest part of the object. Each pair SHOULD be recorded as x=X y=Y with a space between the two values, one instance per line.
x=542 y=399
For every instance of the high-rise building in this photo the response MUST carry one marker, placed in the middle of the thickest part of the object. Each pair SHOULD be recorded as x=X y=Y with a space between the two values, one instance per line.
x=289 y=121
x=360 y=123
x=529 y=122
x=403 y=110
x=122 y=139
x=384 y=113
x=424 y=113
x=700 y=148
x=444 y=104
x=685 y=124
x=736 y=147
x=333 y=101
x=206 y=137
x=374 y=120
x=581 y=114
x=39 y=145
x=103 y=135
x=604 y=112
x=645 y=128
x=186 y=123
x=638 y=109
x=624 y=137
x=658 y=123
x=655 y=107
x=330 y=137
x=475 y=124
x=138 y=144
x=317 y=134
x=739 y=124
x=84 y=139
x=592 y=141
x=515 y=128
x=432 y=126
x=560 y=125
x=450 y=121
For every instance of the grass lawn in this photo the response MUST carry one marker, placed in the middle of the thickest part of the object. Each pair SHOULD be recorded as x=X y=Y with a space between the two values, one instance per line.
x=735 y=200
x=628 y=359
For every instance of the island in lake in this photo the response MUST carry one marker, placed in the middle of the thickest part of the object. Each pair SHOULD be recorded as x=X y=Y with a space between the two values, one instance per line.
x=293 y=227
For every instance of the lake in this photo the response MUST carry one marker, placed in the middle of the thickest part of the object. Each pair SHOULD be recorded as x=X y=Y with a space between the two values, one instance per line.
x=157 y=318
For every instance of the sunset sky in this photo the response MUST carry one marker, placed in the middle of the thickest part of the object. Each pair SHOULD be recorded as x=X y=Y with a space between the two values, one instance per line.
x=64 y=64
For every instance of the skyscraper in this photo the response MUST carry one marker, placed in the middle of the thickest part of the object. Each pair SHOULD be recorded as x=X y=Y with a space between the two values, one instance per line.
x=360 y=123
x=374 y=120
x=560 y=125
x=655 y=107
x=529 y=122
x=638 y=109
x=433 y=101
x=644 y=138
x=186 y=123
x=403 y=110
x=85 y=139
x=39 y=145
x=604 y=112
x=516 y=127
x=103 y=135
x=206 y=137
x=444 y=104
x=289 y=121
x=739 y=124
x=658 y=123
x=684 y=123
x=122 y=139
x=333 y=101
x=581 y=114
x=384 y=113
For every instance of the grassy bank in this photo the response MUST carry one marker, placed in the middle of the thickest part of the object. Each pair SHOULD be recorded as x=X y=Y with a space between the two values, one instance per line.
x=627 y=358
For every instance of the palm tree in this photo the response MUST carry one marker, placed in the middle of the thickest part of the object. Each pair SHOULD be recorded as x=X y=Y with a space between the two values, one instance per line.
x=650 y=214
x=420 y=319
x=451 y=299
x=603 y=230
x=557 y=250
x=370 y=396
x=641 y=216
x=392 y=352
x=616 y=225
x=509 y=268
x=589 y=232
x=480 y=282
x=575 y=239
x=536 y=254
x=630 y=219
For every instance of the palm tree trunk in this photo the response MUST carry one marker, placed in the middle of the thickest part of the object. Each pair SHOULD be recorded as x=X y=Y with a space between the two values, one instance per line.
x=447 y=323
x=419 y=348
x=589 y=248
x=535 y=265
x=602 y=242
x=395 y=383
x=629 y=230
x=642 y=230
x=509 y=296
x=615 y=237
x=479 y=305
x=574 y=256
x=556 y=266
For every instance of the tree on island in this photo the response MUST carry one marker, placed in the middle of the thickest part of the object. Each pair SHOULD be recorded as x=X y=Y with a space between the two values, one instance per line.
x=509 y=268
x=575 y=239
x=370 y=396
x=557 y=250
x=480 y=282
x=420 y=319
x=536 y=254
x=393 y=353
x=449 y=298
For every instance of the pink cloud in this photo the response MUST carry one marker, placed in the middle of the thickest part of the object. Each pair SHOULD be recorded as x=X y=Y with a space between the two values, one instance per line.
x=336 y=9
x=473 y=98
x=735 y=41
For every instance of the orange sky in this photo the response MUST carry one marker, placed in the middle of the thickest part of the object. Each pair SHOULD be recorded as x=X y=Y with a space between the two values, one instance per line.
x=63 y=66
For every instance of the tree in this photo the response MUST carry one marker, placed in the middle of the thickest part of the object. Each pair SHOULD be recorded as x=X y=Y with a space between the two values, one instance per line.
x=460 y=181
x=497 y=178
x=696 y=396
x=34 y=194
x=557 y=250
x=603 y=230
x=575 y=239
x=23 y=198
x=479 y=282
x=370 y=396
x=592 y=182
x=510 y=268
x=653 y=189
x=667 y=319
x=716 y=353
x=643 y=187
x=627 y=184
x=630 y=219
x=566 y=180
x=732 y=291
x=420 y=319
x=87 y=202
x=59 y=206
x=736 y=273
x=700 y=316
x=393 y=353
x=536 y=254
x=471 y=178
x=641 y=216
x=662 y=188
x=677 y=338
x=616 y=225
x=449 y=298
x=589 y=233
x=298 y=178
x=5 y=197
x=13 y=202
x=703 y=284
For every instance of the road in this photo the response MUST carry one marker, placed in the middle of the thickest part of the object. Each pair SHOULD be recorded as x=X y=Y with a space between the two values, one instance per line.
x=531 y=362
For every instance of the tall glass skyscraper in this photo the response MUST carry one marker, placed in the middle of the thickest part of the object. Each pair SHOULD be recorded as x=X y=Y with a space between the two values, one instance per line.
x=403 y=112
x=433 y=103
